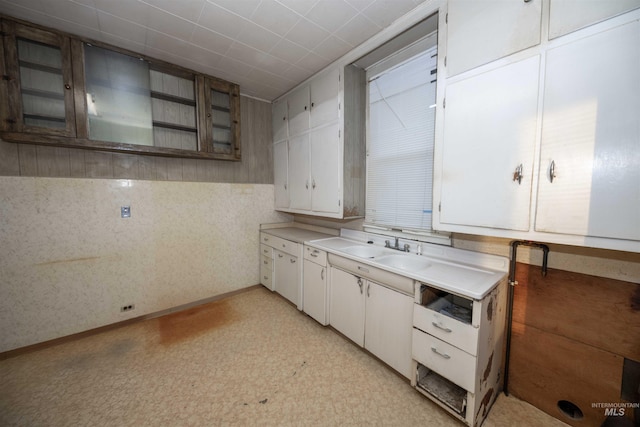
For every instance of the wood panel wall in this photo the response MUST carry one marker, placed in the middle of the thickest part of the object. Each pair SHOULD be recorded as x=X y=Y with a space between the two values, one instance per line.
x=571 y=335
x=255 y=167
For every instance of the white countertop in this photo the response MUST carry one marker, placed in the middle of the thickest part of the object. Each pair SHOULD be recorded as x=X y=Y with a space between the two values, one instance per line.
x=454 y=270
x=295 y=234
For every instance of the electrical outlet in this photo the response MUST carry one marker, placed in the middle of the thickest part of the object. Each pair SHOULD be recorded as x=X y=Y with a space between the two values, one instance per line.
x=127 y=307
x=125 y=212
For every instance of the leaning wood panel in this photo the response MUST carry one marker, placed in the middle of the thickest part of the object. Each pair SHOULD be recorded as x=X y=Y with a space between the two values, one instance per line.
x=9 y=161
x=547 y=368
x=604 y=313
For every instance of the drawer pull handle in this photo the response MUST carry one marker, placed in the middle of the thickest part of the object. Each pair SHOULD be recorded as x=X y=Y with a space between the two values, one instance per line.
x=360 y=284
x=435 y=350
x=437 y=325
x=314 y=255
x=265 y=262
x=292 y=261
x=366 y=270
x=280 y=256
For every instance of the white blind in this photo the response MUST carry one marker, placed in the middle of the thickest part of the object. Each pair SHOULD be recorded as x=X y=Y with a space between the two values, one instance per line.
x=400 y=145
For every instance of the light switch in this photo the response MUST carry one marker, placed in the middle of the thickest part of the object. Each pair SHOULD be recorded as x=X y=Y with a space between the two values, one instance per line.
x=125 y=211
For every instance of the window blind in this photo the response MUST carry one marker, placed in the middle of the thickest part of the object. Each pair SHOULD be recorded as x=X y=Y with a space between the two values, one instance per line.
x=400 y=145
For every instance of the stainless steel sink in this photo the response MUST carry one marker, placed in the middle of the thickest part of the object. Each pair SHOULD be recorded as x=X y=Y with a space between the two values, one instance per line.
x=404 y=262
x=364 y=251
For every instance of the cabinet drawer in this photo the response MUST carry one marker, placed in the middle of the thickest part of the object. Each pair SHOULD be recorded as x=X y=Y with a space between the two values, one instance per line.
x=461 y=335
x=315 y=255
x=266 y=251
x=445 y=359
x=266 y=276
x=266 y=262
x=279 y=243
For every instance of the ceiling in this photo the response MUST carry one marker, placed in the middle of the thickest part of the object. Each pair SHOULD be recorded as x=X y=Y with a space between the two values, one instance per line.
x=266 y=46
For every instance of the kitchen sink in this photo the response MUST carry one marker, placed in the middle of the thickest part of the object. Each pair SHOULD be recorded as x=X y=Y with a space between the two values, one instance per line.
x=364 y=251
x=404 y=262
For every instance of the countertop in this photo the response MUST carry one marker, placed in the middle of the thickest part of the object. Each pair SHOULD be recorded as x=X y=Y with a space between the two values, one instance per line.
x=463 y=278
x=294 y=234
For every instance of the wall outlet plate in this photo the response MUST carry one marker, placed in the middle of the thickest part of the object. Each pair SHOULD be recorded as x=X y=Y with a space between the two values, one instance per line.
x=125 y=212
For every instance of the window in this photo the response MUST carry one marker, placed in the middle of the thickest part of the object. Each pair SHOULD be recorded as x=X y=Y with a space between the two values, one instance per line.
x=400 y=139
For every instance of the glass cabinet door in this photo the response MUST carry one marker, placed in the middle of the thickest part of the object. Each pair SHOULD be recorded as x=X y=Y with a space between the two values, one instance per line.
x=38 y=65
x=221 y=118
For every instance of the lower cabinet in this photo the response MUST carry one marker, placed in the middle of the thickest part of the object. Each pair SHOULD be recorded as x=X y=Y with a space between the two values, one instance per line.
x=373 y=316
x=314 y=280
x=281 y=267
x=457 y=350
x=285 y=268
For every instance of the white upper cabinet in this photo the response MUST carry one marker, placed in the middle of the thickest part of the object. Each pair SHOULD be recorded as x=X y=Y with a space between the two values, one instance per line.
x=299 y=104
x=279 y=121
x=545 y=144
x=489 y=134
x=479 y=32
x=570 y=15
x=299 y=179
x=324 y=98
x=326 y=170
x=590 y=153
x=321 y=171
x=280 y=173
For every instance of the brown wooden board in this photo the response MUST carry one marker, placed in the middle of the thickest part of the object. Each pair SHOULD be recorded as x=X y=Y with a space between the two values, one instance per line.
x=546 y=368
x=603 y=313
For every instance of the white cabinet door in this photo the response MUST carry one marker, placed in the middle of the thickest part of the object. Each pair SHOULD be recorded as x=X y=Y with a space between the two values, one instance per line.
x=299 y=179
x=388 y=326
x=280 y=173
x=285 y=272
x=591 y=136
x=346 y=309
x=279 y=120
x=489 y=132
x=298 y=111
x=325 y=169
x=566 y=16
x=479 y=32
x=315 y=291
x=324 y=98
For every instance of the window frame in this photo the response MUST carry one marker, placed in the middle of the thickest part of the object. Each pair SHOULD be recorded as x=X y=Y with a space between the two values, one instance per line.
x=392 y=61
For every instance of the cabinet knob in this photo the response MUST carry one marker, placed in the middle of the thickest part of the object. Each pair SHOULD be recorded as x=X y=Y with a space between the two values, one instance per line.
x=360 y=284
x=305 y=108
x=313 y=104
x=313 y=184
x=67 y=86
x=552 y=171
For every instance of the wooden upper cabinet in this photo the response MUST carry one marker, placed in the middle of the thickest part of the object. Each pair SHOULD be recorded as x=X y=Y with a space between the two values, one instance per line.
x=62 y=90
x=219 y=117
x=39 y=81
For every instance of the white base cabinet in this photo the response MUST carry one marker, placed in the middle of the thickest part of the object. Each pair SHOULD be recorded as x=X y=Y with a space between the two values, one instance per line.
x=285 y=275
x=373 y=316
x=315 y=291
x=457 y=350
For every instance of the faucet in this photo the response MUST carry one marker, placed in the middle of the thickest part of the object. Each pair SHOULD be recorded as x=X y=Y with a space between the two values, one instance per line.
x=396 y=246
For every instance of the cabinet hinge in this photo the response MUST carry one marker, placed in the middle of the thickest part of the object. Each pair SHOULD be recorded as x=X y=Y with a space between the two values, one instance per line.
x=446 y=18
x=339 y=133
x=440 y=207
x=445 y=61
x=338 y=202
x=444 y=103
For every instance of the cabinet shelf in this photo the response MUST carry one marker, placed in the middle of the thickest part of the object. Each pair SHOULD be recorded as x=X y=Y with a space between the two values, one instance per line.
x=173 y=126
x=42 y=117
x=42 y=93
x=39 y=67
x=172 y=98
x=451 y=395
